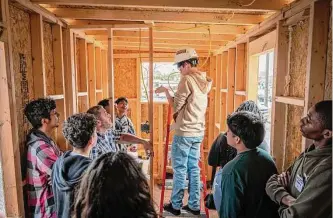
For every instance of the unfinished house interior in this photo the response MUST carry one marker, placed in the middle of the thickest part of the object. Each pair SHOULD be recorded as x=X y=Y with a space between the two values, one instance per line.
x=277 y=53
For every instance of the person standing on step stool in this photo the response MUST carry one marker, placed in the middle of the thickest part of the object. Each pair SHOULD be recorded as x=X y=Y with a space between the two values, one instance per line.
x=189 y=105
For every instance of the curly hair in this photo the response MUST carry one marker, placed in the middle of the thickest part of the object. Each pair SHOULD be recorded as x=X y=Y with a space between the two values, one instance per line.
x=252 y=107
x=114 y=186
x=39 y=109
x=79 y=128
x=248 y=127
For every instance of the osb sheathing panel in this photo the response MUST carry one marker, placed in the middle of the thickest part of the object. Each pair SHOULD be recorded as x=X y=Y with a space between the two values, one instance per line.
x=298 y=59
x=48 y=58
x=22 y=65
x=125 y=77
x=133 y=112
x=294 y=135
x=328 y=80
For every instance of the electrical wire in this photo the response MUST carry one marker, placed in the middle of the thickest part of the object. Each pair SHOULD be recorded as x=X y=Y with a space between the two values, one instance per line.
x=247 y=5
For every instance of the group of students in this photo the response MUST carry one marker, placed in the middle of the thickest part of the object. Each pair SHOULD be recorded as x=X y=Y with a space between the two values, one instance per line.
x=96 y=178
x=247 y=183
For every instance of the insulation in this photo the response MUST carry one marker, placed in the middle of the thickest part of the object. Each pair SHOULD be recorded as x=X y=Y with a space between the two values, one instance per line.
x=298 y=59
x=328 y=80
x=125 y=77
x=48 y=57
x=22 y=66
x=294 y=135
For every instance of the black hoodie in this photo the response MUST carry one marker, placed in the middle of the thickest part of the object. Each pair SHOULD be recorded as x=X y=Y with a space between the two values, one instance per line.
x=66 y=176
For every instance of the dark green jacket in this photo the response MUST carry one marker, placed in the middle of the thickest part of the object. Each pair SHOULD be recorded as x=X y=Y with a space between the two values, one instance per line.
x=310 y=183
x=243 y=186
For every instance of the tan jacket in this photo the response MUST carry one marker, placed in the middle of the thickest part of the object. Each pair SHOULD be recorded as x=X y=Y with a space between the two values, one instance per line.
x=190 y=104
x=310 y=183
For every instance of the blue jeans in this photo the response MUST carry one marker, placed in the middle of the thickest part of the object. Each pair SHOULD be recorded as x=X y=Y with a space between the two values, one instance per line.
x=185 y=156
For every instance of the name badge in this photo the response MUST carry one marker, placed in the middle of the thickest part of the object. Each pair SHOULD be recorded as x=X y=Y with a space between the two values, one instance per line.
x=299 y=184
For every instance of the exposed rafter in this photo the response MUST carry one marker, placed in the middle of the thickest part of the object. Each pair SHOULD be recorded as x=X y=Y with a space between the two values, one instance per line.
x=261 y=5
x=158 y=16
x=159 y=27
x=159 y=35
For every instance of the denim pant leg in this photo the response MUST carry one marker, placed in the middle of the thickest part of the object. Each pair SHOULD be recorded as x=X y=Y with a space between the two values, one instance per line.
x=194 y=173
x=179 y=155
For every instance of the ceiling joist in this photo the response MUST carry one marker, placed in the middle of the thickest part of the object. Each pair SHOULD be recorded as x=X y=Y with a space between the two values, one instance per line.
x=161 y=35
x=158 y=16
x=258 y=5
x=160 y=27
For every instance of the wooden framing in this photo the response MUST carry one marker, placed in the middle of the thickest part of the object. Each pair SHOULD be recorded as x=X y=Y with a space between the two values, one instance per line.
x=161 y=35
x=10 y=152
x=91 y=74
x=58 y=61
x=105 y=78
x=37 y=45
x=70 y=75
x=290 y=100
x=157 y=16
x=317 y=55
x=224 y=4
x=217 y=115
x=279 y=110
x=151 y=106
x=231 y=80
x=111 y=70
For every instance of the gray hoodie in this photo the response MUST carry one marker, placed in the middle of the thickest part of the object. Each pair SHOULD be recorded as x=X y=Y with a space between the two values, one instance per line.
x=190 y=104
x=66 y=177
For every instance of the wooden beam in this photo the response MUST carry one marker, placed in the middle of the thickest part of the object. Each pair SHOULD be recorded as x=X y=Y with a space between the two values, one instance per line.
x=83 y=66
x=290 y=100
x=105 y=85
x=91 y=74
x=317 y=56
x=269 y=24
x=12 y=181
x=10 y=152
x=38 y=65
x=263 y=44
x=151 y=106
x=164 y=46
x=165 y=35
x=211 y=114
x=158 y=16
x=51 y=18
x=217 y=115
x=70 y=74
x=156 y=55
x=178 y=41
x=145 y=50
x=98 y=65
x=111 y=71
x=158 y=27
x=240 y=73
x=259 y=5
x=58 y=61
x=231 y=80
x=279 y=110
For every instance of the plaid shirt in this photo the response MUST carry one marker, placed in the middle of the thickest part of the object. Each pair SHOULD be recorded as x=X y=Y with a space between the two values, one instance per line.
x=42 y=154
x=125 y=126
x=105 y=143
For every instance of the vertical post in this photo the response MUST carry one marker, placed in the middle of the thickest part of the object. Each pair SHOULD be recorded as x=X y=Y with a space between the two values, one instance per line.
x=111 y=72
x=279 y=110
x=38 y=68
x=105 y=86
x=317 y=55
x=231 y=80
x=266 y=79
x=91 y=74
x=70 y=77
x=151 y=106
x=12 y=174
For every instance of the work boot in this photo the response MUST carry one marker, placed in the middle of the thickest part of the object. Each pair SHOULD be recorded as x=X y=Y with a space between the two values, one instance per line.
x=188 y=209
x=168 y=207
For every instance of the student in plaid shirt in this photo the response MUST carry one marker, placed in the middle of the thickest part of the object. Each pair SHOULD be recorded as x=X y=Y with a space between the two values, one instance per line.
x=107 y=137
x=41 y=155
